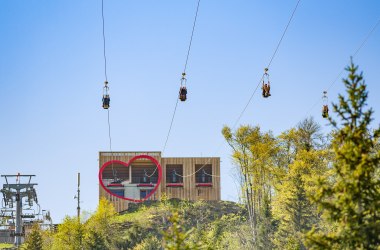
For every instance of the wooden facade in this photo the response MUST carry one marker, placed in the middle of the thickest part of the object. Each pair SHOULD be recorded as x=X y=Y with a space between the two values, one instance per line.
x=202 y=185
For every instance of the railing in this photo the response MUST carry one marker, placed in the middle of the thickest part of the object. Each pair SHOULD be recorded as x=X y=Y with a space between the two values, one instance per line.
x=106 y=182
x=144 y=179
x=177 y=179
x=203 y=179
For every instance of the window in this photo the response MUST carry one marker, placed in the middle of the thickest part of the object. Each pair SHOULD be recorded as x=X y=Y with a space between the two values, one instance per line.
x=203 y=173
x=144 y=193
x=174 y=173
x=119 y=192
x=144 y=174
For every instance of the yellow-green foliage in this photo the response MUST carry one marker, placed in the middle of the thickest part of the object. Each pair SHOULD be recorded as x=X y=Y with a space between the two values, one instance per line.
x=351 y=199
x=34 y=240
x=5 y=245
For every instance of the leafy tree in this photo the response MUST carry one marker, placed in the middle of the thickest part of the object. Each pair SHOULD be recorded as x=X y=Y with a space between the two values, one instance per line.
x=176 y=237
x=253 y=153
x=101 y=227
x=306 y=159
x=94 y=241
x=351 y=197
x=69 y=235
x=34 y=240
x=149 y=243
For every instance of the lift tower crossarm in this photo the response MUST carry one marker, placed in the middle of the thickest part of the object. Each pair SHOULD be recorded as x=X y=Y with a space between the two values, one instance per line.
x=18 y=191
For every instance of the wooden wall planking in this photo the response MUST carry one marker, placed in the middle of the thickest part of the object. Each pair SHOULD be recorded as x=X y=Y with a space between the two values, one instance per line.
x=189 y=191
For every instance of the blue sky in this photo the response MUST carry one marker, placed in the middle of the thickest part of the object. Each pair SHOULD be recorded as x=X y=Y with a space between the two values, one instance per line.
x=51 y=78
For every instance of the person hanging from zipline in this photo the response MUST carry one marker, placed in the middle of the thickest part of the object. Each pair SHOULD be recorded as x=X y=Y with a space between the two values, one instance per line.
x=183 y=89
x=106 y=97
x=325 y=108
x=266 y=84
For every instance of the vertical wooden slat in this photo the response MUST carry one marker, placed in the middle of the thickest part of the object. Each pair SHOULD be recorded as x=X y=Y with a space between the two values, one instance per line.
x=189 y=191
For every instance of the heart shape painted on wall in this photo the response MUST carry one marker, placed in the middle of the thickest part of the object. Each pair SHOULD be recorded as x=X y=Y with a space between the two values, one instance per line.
x=148 y=157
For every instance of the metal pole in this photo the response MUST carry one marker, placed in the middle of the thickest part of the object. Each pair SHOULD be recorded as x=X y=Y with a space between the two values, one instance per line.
x=18 y=219
x=78 y=207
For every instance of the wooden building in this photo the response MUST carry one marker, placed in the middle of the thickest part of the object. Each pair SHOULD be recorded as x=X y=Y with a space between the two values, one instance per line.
x=187 y=178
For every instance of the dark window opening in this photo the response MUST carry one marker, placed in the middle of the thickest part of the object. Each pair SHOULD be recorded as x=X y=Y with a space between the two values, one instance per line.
x=174 y=174
x=144 y=174
x=115 y=174
x=119 y=192
x=203 y=173
x=144 y=193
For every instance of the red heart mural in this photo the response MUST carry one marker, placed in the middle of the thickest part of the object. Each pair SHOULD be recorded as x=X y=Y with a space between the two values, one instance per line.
x=152 y=159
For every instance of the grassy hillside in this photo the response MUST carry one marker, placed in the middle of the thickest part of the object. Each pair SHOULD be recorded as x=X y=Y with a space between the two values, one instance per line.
x=165 y=224
x=207 y=225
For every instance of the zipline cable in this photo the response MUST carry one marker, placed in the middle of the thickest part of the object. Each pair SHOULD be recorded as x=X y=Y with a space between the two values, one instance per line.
x=104 y=44
x=254 y=92
x=269 y=64
x=106 y=77
x=341 y=72
x=184 y=73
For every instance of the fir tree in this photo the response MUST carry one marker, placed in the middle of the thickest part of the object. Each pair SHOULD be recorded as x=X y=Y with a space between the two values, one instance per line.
x=34 y=240
x=351 y=199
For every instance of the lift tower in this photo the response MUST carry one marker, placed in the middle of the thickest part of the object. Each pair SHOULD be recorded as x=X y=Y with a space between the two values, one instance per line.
x=14 y=193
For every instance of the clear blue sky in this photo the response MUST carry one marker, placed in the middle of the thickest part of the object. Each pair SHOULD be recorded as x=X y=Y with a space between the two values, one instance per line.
x=51 y=77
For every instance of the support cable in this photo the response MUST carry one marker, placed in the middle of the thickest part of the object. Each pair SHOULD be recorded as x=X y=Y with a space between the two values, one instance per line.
x=104 y=45
x=106 y=78
x=255 y=90
x=342 y=71
x=183 y=75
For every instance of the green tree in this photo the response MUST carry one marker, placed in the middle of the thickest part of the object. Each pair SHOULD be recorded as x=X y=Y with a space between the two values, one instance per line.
x=351 y=197
x=34 y=240
x=253 y=153
x=101 y=228
x=94 y=241
x=303 y=158
x=149 y=243
x=69 y=235
x=176 y=237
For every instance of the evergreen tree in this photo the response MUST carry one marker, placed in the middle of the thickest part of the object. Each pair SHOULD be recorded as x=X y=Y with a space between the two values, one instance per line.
x=305 y=159
x=94 y=241
x=351 y=199
x=34 y=240
x=176 y=237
